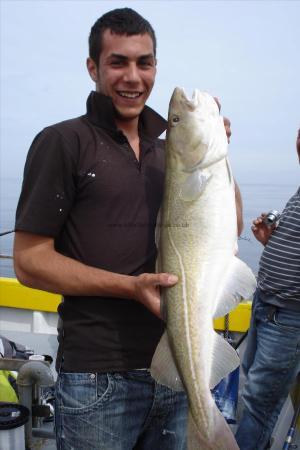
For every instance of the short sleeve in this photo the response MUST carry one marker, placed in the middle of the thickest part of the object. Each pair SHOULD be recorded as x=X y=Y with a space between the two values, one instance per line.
x=48 y=187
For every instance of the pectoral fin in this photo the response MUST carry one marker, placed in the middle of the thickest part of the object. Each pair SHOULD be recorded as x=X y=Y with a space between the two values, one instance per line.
x=238 y=283
x=163 y=368
x=194 y=185
x=224 y=360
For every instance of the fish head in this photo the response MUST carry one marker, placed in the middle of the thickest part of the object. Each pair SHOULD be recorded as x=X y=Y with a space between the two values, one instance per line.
x=196 y=135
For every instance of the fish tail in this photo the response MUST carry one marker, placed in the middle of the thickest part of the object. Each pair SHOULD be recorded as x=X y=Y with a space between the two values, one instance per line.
x=220 y=437
x=195 y=441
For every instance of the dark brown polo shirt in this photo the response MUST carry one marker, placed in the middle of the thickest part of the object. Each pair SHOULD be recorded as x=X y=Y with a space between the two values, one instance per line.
x=84 y=187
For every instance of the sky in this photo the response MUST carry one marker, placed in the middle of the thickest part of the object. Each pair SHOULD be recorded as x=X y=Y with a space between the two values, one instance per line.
x=244 y=52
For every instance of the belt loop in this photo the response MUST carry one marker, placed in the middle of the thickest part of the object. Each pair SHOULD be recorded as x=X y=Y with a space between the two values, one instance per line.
x=271 y=313
x=96 y=384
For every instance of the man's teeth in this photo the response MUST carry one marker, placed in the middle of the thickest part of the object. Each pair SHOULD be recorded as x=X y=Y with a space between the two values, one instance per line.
x=130 y=94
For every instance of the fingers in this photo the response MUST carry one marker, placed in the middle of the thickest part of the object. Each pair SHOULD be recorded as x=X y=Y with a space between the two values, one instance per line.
x=147 y=289
x=159 y=279
x=261 y=230
x=227 y=125
x=166 y=279
x=218 y=102
x=258 y=221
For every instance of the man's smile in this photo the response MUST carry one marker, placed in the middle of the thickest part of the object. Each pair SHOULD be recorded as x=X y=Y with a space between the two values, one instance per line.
x=129 y=94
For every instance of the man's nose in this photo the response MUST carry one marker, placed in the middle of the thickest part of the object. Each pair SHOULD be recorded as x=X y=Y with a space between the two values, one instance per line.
x=132 y=73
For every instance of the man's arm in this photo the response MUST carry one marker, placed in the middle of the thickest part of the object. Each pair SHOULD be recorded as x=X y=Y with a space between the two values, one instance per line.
x=39 y=265
x=239 y=209
x=238 y=196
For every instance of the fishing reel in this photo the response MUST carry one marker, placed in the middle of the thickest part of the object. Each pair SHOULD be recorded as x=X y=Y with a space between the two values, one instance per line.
x=272 y=218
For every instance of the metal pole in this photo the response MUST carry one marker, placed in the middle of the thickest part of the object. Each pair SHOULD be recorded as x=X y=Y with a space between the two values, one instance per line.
x=291 y=432
x=31 y=374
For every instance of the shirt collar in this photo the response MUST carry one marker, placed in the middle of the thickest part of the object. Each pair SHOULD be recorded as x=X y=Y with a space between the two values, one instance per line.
x=101 y=112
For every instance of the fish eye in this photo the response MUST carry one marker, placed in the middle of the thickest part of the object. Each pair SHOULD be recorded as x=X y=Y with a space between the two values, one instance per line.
x=175 y=119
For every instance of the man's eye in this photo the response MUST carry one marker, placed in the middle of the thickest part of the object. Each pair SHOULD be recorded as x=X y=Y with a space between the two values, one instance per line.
x=116 y=63
x=145 y=63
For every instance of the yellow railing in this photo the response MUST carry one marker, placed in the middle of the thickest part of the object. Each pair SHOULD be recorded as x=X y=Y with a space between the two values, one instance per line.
x=14 y=295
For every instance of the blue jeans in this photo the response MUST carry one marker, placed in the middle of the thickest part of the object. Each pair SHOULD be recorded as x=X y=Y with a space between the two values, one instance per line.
x=118 y=411
x=271 y=364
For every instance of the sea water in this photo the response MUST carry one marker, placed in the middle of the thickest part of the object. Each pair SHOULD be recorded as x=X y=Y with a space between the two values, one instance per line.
x=257 y=198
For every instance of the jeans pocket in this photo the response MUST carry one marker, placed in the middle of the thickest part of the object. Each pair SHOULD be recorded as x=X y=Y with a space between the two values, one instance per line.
x=78 y=393
x=287 y=319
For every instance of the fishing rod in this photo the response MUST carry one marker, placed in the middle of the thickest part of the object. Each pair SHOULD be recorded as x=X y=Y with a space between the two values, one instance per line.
x=3 y=234
x=289 y=438
x=6 y=232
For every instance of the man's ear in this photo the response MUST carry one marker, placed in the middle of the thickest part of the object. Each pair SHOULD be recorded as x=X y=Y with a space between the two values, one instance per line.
x=92 y=69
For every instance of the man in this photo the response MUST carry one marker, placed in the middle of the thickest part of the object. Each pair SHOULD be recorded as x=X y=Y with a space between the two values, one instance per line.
x=85 y=228
x=272 y=357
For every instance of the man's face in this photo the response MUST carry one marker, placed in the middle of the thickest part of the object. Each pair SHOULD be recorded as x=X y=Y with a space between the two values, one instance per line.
x=298 y=144
x=126 y=72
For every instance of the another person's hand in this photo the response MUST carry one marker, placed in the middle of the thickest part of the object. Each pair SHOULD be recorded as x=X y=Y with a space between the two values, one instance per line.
x=261 y=231
x=147 y=288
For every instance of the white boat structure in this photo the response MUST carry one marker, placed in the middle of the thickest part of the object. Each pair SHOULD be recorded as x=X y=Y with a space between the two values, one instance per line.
x=28 y=316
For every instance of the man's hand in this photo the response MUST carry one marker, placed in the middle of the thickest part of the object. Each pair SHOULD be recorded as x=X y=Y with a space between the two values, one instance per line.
x=147 y=288
x=227 y=123
x=261 y=231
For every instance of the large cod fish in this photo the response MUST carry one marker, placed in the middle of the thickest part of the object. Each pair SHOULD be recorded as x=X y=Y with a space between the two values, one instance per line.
x=197 y=239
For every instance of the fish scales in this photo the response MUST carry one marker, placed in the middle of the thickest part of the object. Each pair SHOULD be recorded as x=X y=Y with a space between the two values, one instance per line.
x=197 y=242
x=191 y=316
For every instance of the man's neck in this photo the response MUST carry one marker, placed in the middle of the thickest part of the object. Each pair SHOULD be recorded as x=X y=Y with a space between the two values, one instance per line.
x=130 y=129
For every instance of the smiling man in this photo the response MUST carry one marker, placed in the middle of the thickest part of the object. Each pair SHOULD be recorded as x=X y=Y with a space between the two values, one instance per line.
x=125 y=71
x=85 y=228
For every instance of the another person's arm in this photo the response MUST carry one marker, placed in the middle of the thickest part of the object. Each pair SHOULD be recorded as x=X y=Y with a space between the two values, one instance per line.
x=239 y=209
x=39 y=265
x=238 y=195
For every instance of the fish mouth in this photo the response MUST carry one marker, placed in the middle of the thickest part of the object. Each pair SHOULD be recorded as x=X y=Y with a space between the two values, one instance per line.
x=197 y=99
x=192 y=102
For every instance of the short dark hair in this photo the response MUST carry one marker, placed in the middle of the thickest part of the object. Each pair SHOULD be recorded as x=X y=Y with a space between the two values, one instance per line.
x=119 y=21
